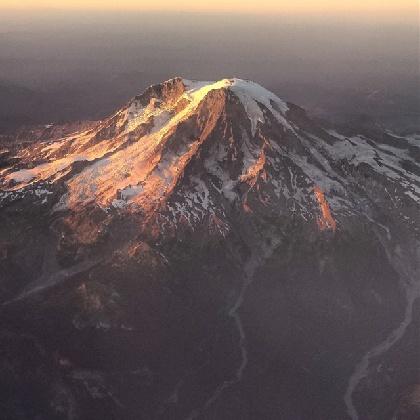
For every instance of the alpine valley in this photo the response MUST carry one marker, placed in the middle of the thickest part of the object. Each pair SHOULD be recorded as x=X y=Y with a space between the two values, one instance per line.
x=210 y=252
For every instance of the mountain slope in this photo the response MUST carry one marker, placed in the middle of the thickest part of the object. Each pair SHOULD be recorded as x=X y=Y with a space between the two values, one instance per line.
x=209 y=251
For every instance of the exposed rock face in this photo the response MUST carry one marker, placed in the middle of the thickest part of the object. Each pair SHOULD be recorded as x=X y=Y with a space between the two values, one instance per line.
x=210 y=252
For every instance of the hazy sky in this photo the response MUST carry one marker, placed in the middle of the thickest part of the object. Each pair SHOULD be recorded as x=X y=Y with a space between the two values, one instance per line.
x=376 y=7
x=58 y=61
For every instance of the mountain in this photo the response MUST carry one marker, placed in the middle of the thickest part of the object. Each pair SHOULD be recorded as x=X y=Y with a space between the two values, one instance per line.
x=210 y=252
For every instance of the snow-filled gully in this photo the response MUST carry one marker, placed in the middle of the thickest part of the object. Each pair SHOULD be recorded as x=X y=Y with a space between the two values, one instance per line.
x=412 y=292
x=249 y=270
x=361 y=370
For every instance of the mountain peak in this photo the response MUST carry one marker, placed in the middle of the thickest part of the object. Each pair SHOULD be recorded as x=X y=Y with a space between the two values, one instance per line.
x=134 y=143
x=251 y=95
x=197 y=149
x=146 y=232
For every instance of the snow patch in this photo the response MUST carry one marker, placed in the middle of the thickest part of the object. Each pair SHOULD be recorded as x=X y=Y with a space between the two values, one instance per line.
x=252 y=96
x=383 y=159
x=131 y=191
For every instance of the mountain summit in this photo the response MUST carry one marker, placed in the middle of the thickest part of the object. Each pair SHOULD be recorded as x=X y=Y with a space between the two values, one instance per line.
x=209 y=251
x=142 y=149
x=218 y=140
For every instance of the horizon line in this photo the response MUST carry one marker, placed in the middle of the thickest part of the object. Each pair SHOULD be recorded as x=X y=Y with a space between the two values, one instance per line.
x=389 y=15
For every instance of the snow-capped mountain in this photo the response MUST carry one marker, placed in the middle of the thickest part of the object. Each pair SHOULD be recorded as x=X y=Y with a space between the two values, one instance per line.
x=209 y=251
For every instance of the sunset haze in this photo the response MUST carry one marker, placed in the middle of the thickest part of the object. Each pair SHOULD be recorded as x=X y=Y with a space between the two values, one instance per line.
x=378 y=7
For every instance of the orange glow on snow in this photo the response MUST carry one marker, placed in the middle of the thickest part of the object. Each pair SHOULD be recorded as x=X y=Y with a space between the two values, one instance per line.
x=326 y=221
